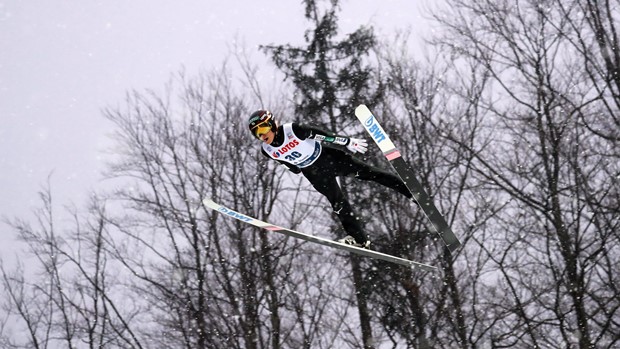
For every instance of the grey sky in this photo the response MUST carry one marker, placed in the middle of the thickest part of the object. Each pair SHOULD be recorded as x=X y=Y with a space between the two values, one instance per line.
x=61 y=62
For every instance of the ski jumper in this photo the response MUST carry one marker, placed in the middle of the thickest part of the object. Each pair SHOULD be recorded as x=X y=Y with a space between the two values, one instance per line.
x=300 y=149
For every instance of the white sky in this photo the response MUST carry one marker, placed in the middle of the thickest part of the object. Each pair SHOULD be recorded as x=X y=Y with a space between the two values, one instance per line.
x=62 y=61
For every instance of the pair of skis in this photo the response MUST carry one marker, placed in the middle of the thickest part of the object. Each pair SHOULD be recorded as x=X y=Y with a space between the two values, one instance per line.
x=390 y=151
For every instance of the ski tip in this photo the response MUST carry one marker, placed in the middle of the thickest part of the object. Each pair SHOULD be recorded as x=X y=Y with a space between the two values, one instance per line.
x=362 y=111
x=424 y=267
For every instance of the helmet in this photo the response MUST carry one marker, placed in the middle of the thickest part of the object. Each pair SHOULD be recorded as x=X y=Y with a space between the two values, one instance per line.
x=260 y=120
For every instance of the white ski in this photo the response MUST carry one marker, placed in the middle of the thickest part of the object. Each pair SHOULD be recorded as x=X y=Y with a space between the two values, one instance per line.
x=299 y=235
x=365 y=116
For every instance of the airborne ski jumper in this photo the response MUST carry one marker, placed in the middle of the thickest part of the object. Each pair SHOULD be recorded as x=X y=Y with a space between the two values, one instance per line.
x=302 y=149
x=305 y=149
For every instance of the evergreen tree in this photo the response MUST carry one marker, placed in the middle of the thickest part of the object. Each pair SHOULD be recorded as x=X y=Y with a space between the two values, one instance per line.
x=329 y=75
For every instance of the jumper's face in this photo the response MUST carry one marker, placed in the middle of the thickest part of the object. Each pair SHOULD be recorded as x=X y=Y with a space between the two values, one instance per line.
x=267 y=137
x=264 y=133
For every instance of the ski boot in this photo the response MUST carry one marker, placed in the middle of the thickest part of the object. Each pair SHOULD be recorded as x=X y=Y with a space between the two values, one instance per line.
x=350 y=240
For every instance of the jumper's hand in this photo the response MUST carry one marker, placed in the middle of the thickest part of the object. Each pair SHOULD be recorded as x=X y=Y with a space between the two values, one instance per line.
x=357 y=145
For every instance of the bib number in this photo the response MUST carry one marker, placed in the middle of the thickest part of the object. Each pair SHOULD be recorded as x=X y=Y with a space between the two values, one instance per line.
x=292 y=156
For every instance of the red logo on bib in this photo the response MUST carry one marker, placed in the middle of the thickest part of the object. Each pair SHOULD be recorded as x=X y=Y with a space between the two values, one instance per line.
x=284 y=149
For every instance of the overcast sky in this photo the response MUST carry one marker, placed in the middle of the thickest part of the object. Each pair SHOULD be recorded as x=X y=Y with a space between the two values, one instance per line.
x=61 y=62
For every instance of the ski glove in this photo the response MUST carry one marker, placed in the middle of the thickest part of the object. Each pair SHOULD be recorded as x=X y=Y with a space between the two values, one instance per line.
x=357 y=145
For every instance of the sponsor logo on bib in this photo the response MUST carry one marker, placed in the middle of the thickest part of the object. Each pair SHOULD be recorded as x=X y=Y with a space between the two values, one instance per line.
x=285 y=148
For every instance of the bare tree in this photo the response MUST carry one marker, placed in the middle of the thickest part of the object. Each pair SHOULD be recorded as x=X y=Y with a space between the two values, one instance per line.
x=555 y=238
x=589 y=28
x=73 y=301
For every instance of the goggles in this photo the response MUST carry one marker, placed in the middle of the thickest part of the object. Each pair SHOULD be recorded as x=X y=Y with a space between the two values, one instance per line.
x=261 y=129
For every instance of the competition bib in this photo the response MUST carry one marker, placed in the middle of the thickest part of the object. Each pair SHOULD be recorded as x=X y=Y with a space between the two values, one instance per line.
x=301 y=153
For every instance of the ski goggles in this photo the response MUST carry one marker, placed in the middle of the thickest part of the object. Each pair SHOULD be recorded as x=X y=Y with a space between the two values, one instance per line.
x=261 y=129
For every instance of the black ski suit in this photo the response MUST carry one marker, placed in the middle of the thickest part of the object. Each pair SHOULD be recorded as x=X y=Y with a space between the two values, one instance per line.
x=334 y=162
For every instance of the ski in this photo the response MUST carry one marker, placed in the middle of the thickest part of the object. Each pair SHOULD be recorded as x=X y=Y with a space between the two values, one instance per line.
x=326 y=242
x=365 y=116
